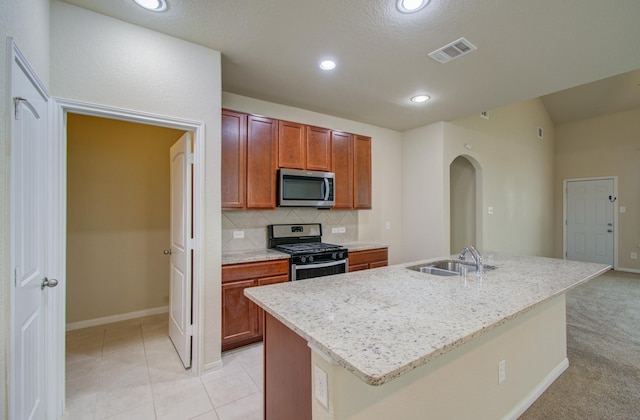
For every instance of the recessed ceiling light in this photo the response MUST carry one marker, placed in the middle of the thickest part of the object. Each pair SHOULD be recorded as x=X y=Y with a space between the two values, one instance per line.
x=153 y=5
x=327 y=65
x=411 y=6
x=420 y=98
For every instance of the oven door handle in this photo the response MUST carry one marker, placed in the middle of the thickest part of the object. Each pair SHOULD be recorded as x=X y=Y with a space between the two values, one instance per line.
x=322 y=265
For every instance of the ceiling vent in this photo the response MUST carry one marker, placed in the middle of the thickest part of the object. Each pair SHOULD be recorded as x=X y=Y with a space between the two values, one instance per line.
x=453 y=50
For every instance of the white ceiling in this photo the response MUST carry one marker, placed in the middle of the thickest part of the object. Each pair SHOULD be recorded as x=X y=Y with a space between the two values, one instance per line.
x=526 y=49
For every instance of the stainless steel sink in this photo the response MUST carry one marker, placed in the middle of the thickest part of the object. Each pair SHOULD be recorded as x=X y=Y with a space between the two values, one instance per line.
x=449 y=267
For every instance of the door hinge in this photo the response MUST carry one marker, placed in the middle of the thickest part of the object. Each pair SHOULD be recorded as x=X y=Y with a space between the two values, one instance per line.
x=15 y=276
x=191 y=158
x=191 y=243
x=566 y=254
x=190 y=330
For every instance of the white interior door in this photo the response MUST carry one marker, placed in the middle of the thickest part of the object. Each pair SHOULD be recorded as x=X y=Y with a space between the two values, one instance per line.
x=180 y=296
x=590 y=218
x=28 y=213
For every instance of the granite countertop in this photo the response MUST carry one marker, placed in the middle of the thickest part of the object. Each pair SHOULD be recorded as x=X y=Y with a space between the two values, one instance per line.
x=238 y=257
x=384 y=322
x=253 y=255
x=362 y=246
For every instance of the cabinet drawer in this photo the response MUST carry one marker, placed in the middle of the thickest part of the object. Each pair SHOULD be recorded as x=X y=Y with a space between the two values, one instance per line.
x=368 y=256
x=235 y=272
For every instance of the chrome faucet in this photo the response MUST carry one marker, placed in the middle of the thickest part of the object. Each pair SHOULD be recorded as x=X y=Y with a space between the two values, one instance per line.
x=475 y=255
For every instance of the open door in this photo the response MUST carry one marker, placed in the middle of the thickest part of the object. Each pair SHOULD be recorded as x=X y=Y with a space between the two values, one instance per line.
x=28 y=395
x=180 y=290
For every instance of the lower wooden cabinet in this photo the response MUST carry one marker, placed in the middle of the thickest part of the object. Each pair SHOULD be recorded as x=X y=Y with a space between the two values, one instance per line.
x=370 y=258
x=241 y=318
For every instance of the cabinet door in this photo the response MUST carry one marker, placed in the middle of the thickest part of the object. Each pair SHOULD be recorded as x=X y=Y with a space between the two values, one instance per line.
x=361 y=172
x=341 y=164
x=262 y=153
x=234 y=163
x=239 y=314
x=318 y=149
x=291 y=145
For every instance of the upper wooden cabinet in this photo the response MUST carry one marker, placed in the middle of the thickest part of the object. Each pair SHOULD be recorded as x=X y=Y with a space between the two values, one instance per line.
x=292 y=143
x=254 y=147
x=234 y=159
x=361 y=172
x=318 y=149
x=342 y=166
x=262 y=152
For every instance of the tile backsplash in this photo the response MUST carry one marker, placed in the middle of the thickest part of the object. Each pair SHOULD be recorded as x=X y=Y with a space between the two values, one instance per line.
x=254 y=225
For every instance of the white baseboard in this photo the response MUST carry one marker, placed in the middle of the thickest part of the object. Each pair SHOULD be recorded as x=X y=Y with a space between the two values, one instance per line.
x=627 y=270
x=535 y=393
x=116 y=318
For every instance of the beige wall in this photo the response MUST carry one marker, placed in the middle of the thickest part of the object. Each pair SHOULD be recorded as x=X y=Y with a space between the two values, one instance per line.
x=117 y=217
x=423 y=193
x=516 y=172
x=106 y=61
x=604 y=146
x=27 y=22
x=461 y=383
x=386 y=161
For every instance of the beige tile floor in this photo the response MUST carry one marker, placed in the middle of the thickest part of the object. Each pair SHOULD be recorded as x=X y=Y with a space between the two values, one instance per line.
x=130 y=370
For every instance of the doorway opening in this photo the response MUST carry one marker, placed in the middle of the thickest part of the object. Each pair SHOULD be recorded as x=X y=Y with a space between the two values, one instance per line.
x=463 y=192
x=117 y=219
x=66 y=109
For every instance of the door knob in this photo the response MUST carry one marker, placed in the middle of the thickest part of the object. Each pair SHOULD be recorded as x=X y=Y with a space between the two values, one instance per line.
x=48 y=283
x=167 y=252
x=609 y=230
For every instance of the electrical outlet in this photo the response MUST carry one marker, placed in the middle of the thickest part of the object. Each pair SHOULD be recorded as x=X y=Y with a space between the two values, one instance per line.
x=334 y=230
x=634 y=255
x=502 y=371
x=490 y=210
x=321 y=386
x=238 y=234
x=387 y=226
x=342 y=229
x=622 y=209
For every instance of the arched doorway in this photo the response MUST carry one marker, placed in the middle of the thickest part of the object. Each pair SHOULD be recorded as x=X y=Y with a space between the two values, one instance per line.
x=462 y=208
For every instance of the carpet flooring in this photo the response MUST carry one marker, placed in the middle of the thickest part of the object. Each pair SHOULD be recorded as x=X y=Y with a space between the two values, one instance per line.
x=603 y=346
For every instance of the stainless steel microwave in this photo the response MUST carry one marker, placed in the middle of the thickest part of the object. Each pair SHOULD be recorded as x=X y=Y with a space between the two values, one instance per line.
x=298 y=188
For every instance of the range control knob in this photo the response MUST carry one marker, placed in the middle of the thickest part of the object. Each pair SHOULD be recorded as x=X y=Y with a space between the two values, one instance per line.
x=334 y=256
x=341 y=255
x=310 y=258
x=303 y=259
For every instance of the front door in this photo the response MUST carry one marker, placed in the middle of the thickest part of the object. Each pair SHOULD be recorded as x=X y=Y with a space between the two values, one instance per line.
x=28 y=221
x=590 y=217
x=180 y=299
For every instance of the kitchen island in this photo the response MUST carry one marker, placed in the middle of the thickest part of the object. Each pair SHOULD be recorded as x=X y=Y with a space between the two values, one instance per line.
x=396 y=343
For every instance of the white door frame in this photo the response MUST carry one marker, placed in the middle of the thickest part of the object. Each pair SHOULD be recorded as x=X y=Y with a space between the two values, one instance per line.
x=59 y=174
x=565 y=194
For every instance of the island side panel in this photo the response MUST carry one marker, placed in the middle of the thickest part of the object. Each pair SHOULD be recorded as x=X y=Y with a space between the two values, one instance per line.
x=287 y=373
x=462 y=383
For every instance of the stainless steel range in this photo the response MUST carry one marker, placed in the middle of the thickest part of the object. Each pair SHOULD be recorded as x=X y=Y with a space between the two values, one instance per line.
x=310 y=257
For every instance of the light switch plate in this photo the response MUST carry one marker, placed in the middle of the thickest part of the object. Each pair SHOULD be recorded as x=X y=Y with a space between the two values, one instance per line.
x=238 y=234
x=490 y=210
x=623 y=209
